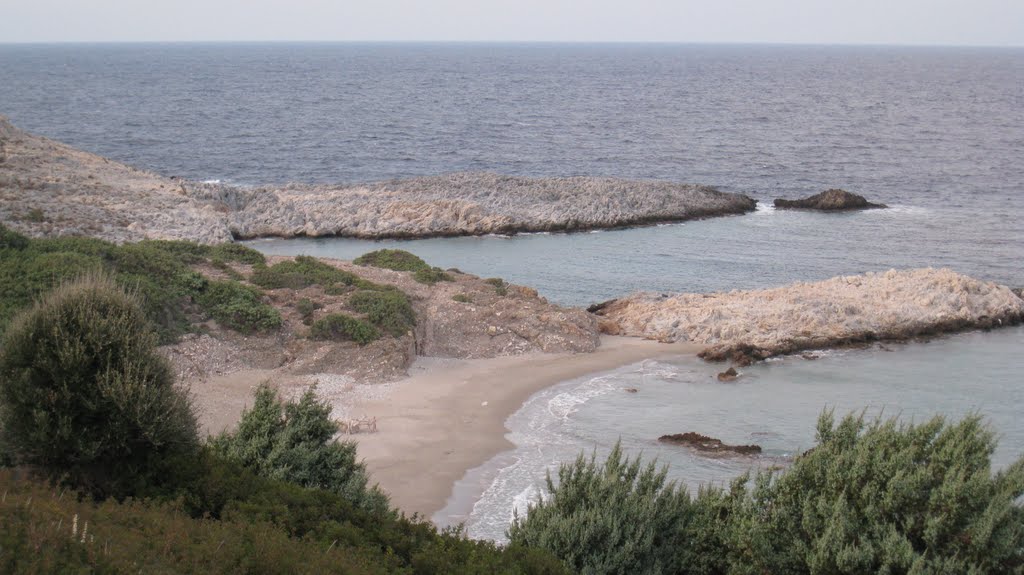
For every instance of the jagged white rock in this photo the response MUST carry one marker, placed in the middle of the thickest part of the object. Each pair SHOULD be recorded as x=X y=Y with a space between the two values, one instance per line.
x=846 y=309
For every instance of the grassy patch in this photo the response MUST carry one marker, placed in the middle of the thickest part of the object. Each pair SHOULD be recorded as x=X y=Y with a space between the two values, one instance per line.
x=389 y=310
x=301 y=272
x=398 y=260
x=462 y=298
x=341 y=327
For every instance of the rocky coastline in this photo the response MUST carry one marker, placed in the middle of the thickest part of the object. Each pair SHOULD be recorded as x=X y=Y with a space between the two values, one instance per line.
x=746 y=326
x=51 y=189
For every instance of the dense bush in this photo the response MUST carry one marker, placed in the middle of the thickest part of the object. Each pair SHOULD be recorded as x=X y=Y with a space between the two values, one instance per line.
x=883 y=496
x=500 y=285
x=621 y=517
x=871 y=497
x=306 y=307
x=301 y=272
x=389 y=310
x=239 y=307
x=431 y=276
x=398 y=260
x=294 y=442
x=341 y=327
x=85 y=397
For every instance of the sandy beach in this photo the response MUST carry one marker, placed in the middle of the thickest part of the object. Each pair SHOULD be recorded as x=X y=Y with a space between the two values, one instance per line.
x=449 y=415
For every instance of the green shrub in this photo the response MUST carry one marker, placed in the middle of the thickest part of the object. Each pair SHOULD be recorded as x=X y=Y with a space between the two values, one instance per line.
x=340 y=327
x=239 y=307
x=301 y=272
x=389 y=310
x=398 y=260
x=871 y=497
x=85 y=397
x=294 y=442
x=462 y=298
x=431 y=276
x=183 y=251
x=306 y=307
x=229 y=252
x=621 y=517
x=884 y=496
x=35 y=215
x=10 y=239
x=500 y=285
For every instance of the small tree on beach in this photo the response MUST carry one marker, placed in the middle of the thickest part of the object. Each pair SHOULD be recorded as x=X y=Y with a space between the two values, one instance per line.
x=294 y=441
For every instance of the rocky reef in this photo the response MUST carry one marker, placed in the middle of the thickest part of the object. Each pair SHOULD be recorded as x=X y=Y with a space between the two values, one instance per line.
x=745 y=326
x=709 y=445
x=832 y=200
x=464 y=204
x=51 y=189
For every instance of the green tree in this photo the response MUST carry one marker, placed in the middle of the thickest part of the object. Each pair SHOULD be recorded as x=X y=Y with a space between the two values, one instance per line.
x=84 y=396
x=622 y=517
x=887 y=497
x=294 y=442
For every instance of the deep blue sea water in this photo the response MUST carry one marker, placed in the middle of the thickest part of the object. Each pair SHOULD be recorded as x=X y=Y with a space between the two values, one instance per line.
x=936 y=133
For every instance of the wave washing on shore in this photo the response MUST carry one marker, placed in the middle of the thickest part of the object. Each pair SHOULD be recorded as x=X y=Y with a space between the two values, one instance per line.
x=774 y=404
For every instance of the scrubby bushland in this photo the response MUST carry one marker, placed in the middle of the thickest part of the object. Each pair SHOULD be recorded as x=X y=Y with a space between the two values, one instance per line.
x=871 y=497
x=398 y=260
x=500 y=285
x=306 y=307
x=172 y=295
x=84 y=397
x=341 y=327
x=388 y=310
x=294 y=441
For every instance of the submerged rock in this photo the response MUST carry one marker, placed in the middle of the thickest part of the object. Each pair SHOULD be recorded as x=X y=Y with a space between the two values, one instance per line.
x=728 y=375
x=829 y=200
x=705 y=444
x=748 y=326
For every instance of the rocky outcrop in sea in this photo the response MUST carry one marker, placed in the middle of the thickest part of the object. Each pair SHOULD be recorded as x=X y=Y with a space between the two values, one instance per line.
x=51 y=189
x=752 y=325
x=833 y=200
x=464 y=204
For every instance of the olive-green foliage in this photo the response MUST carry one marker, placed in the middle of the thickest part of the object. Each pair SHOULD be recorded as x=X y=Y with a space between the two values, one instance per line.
x=294 y=441
x=398 y=260
x=431 y=276
x=341 y=327
x=301 y=272
x=35 y=215
x=229 y=520
x=156 y=270
x=85 y=397
x=621 y=517
x=462 y=298
x=888 y=497
x=389 y=310
x=500 y=285
x=238 y=307
x=871 y=497
x=236 y=253
x=306 y=307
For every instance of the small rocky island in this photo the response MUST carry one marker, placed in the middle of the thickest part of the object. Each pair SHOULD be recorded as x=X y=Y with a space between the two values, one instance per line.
x=709 y=445
x=833 y=200
x=49 y=188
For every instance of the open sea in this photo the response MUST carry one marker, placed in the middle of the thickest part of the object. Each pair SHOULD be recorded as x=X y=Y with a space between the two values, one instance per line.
x=936 y=133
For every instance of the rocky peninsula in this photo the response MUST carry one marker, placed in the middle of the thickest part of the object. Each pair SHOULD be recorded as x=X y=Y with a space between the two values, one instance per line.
x=49 y=188
x=747 y=326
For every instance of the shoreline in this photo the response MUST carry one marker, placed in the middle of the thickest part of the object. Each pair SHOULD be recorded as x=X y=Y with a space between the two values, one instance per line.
x=448 y=416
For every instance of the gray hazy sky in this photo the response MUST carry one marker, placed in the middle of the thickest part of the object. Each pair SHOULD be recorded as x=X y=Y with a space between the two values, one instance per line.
x=952 y=22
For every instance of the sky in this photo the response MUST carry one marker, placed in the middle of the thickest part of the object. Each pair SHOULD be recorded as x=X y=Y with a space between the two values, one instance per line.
x=913 y=22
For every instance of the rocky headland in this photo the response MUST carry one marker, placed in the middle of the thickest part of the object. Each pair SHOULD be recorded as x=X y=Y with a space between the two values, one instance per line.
x=833 y=200
x=49 y=188
x=746 y=326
